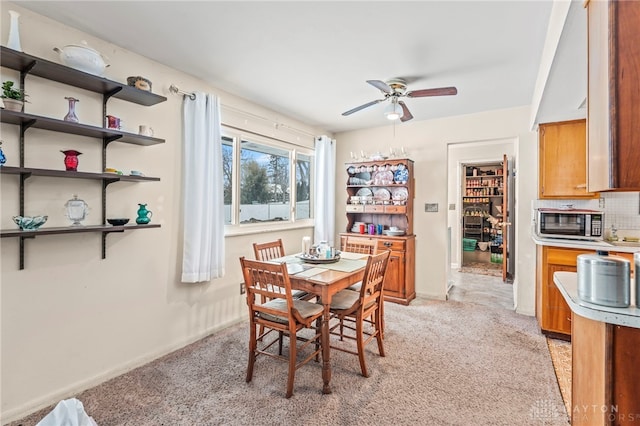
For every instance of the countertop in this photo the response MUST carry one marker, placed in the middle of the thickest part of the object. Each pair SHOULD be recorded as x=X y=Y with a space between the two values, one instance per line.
x=587 y=245
x=567 y=283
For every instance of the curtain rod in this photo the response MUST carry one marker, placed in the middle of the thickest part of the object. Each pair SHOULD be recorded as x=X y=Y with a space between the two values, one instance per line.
x=174 y=89
x=275 y=123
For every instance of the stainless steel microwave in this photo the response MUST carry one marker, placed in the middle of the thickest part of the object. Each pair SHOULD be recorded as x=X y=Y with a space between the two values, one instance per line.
x=570 y=224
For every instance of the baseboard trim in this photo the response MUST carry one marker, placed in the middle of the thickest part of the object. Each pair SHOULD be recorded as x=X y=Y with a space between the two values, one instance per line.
x=75 y=388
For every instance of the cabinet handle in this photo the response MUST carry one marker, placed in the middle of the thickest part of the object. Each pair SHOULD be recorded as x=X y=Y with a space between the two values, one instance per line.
x=387 y=244
x=581 y=186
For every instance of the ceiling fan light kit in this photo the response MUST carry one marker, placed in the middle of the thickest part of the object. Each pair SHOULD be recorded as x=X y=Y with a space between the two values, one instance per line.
x=395 y=89
x=393 y=111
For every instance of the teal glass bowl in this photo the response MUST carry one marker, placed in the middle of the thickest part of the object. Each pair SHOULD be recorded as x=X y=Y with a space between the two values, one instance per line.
x=30 y=223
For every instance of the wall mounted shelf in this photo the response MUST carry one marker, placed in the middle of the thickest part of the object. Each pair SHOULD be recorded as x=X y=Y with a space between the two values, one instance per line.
x=55 y=125
x=7 y=233
x=30 y=65
x=33 y=65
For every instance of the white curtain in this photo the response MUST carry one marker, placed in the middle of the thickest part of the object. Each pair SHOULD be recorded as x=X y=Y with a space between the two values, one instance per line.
x=325 y=198
x=202 y=189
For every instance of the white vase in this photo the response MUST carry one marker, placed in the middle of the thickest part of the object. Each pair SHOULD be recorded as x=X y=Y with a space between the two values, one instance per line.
x=14 y=32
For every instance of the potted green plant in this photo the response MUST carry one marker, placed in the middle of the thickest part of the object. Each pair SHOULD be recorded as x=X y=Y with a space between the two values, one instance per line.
x=12 y=98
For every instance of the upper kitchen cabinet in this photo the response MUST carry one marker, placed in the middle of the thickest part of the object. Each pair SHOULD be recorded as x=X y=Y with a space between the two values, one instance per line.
x=563 y=160
x=613 y=109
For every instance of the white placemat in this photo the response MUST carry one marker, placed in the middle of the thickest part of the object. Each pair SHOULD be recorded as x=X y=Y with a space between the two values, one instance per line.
x=350 y=255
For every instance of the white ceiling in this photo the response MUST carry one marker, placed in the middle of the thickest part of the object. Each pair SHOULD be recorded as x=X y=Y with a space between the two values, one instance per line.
x=310 y=59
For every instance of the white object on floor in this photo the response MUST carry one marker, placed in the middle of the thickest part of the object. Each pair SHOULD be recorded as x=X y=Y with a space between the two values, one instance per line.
x=68 y=412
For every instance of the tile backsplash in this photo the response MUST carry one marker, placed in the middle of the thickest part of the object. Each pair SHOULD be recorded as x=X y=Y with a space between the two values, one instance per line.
x=621 y=209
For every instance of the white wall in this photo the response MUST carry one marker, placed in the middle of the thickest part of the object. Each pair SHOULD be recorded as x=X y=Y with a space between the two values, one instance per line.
x=70 y=319
x=426 y=143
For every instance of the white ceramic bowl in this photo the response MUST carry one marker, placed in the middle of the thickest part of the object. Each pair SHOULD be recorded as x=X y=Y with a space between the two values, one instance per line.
x=83 y=58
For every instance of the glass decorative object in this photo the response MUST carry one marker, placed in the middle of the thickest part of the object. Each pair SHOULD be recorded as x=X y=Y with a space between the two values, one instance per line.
x=71 y=115
x=76 y=210
x=71 y=159
x=144 y=215
x=3 y=159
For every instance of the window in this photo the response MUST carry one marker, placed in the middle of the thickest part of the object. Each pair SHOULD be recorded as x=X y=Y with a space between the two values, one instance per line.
x=265 y=180
x=303 y=187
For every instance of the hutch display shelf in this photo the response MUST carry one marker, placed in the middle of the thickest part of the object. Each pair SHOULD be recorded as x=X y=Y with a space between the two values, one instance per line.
x=381 y=193
x=30 y=65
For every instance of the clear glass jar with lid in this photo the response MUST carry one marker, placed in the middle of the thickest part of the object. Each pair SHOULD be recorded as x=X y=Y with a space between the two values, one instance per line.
x=76 y=210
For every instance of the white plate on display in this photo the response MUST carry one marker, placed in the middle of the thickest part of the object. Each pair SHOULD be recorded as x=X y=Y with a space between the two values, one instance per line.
x=395 y=233
x=381 y=194
x=400 y=194
x=364 y=192
x=384 y=177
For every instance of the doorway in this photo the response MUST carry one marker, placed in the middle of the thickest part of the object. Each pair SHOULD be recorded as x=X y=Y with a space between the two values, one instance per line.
x=472 y=216
x=483 y=201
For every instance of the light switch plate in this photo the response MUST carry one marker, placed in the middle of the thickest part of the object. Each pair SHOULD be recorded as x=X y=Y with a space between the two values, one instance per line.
x=431 y=207
x=452 y=206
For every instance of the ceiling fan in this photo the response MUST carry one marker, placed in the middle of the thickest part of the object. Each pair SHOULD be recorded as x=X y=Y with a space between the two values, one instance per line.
x=395 y=89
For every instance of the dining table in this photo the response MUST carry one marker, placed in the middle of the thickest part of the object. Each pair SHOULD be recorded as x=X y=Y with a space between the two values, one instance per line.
x=324 y=279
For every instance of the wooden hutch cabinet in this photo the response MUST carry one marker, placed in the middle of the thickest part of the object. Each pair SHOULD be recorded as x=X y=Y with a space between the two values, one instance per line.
x=381 y=193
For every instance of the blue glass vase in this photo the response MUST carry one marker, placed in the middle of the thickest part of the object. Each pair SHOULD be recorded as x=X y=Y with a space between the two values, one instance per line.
x=3 y=159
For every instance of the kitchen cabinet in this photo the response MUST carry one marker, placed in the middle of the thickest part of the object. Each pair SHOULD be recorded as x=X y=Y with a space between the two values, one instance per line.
x=399 y=282
x=30 y=65
x=605 y=380
x=562 y=160
x=613 y=97
x=553 y=313
x=381 y=193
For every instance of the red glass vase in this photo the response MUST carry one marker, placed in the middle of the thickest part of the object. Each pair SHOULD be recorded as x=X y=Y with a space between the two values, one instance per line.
x=71 y=160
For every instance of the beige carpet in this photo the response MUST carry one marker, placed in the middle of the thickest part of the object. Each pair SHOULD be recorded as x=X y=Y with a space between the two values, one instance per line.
x=483 y=268
x=447 y=363
x=560 y=351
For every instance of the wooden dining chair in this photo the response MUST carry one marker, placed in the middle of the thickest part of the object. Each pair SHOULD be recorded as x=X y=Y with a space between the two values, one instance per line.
x=361 y=312
x=272 y=308
x=274 y=250
x=359 y=245
x=269 y=250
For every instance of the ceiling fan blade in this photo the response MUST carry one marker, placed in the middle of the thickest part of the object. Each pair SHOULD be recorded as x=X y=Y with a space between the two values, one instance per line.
x=368 y=104
x=441 y=91
x=381 y=85
x=406 y=114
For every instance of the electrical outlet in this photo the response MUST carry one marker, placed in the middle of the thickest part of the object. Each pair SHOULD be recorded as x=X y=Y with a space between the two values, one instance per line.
x=243 y=288
x=601 y=203
x=431 y=207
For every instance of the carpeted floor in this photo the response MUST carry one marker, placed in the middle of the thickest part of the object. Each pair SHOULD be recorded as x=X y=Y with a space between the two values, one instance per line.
x=482 y=268
x=560 y=352
x=447 y=363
